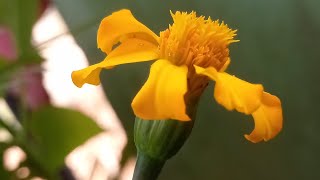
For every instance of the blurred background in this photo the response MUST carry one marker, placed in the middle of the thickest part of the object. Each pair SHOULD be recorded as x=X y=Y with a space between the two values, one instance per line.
x=49 y=129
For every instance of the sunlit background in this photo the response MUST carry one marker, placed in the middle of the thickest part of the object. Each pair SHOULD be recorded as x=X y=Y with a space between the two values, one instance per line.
x=51 y=129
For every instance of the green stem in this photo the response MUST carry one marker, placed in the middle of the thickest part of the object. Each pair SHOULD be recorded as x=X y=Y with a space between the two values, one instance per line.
x=147 y=168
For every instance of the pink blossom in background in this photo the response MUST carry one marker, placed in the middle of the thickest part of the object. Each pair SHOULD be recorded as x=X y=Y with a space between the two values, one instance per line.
x=27 y=84
x=43 y=5
x=8 y=49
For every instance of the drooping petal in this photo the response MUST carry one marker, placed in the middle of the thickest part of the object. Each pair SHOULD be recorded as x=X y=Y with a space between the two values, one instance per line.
x=267 y=119
x=121 y=25
x=89 y=75
x=234 y=93
x=130 y=51
x=162 y=96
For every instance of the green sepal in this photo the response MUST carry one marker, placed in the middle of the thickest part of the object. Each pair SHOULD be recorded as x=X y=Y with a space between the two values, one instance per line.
x=159 y=140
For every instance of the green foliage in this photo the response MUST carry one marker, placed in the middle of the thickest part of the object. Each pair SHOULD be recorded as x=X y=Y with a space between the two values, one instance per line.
x=55 y=132
x=20 y=16
x=277 y=49
x=4 y=174
x=7 y=71
x=49 y=134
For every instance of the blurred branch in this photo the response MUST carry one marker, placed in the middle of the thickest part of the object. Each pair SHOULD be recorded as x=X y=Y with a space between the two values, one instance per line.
x=72 y=32
x=8 y=121
x=7 y=127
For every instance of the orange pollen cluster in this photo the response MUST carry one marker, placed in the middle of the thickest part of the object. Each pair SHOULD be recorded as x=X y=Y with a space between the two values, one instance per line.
x=193 y=40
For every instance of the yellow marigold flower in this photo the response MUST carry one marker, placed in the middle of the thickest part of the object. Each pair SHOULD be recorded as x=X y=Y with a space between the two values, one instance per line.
x=188 y=54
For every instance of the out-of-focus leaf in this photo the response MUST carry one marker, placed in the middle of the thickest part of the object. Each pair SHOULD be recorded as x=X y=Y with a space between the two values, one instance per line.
x=4 y=174
x=7 y=71
x=3 y=63
x=55 y=132
x=20 y=16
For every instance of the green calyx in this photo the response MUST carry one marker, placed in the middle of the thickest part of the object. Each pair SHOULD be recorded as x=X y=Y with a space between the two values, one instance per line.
x=159 y=140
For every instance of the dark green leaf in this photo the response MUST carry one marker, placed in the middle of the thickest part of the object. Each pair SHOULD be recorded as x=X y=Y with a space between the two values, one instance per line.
x=20 y=16
x=55 y=132
x=4 y=174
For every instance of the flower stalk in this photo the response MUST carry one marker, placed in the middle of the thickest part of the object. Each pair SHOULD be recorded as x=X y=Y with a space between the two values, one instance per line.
x=147 y=167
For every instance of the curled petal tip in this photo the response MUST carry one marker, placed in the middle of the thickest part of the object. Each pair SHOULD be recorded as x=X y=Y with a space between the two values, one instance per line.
x=76 y=79
x=119 y=26
x=88 y=75
x=252 y=139
x=268 y=119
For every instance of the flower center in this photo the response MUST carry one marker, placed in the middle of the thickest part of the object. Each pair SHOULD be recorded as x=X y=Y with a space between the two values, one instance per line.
x=193 y=40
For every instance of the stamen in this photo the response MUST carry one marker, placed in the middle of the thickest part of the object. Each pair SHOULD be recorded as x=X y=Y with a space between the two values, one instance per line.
x=192 y=40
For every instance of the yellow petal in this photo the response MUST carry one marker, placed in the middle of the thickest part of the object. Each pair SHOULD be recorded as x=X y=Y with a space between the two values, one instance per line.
x=162 y=96
x=122 y=25
x=234 y=93
x=267 y=119
x=130 y=51
x=88 y=75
